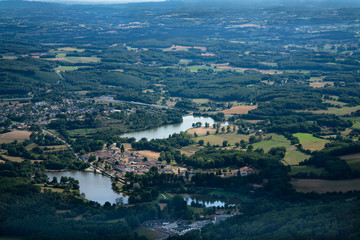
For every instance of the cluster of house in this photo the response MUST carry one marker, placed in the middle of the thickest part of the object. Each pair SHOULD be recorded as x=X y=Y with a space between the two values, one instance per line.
x=41 y=113
x=122 y=162
x=180 y=227
x=244 y=171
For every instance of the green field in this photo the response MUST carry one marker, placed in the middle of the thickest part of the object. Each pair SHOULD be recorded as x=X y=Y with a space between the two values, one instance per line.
x=354 y=164
x=315 y=79
x=338 y=111
x=200 y=100
x=71 y=49
x=355 y=120
x=83 y=59
x=82 y=132
x=292 y=156
x=305 y=169
x=308 y=141
x=218 y=139
x=197 y=68
x=66 y=68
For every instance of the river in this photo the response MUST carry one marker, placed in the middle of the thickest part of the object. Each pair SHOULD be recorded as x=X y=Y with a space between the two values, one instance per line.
x=96 y=187
x=165 y=131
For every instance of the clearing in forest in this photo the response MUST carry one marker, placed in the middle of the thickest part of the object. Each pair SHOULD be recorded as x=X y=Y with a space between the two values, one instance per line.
x=14 y=135
x=292 y=156
x=243 y=109
x=308 y=141
x=323 y=186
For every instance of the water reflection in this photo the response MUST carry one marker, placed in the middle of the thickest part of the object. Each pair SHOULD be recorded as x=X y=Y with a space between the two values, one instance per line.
x=205 y=201
x=165 y=131
x=96 y=187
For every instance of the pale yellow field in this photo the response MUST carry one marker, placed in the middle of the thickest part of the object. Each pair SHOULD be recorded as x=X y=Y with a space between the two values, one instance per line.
x=243 y=109
x=201 y=131
x=13 y=159
x=14 y=135
x=321 y=84
x=152 y=156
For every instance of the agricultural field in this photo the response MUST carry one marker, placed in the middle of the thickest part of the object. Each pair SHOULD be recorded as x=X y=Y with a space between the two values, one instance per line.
x=218 y=139
x=321 y=84
x=13 y=159
x=292 y=156
x=70 y=49
x=201 y=131
x=243 y=109
x=336 y=103
x=353 y=160
x=14 y=135
x=355 y=120
x=66 y=68
x=151 y=155
x=305 y=169
x=308 y=141
x=190 y=150
x=323 y=186
x=337 y=111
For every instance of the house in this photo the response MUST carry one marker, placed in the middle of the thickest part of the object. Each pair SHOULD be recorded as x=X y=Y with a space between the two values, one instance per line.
x=245 y=171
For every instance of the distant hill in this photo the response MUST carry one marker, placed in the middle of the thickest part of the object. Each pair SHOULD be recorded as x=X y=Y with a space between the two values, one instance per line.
x=197 y=3
x=26 y=4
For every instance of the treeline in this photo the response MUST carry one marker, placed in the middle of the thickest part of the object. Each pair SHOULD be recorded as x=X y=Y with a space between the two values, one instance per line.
x=176 y=140
x=322 y=218
x=328 y=158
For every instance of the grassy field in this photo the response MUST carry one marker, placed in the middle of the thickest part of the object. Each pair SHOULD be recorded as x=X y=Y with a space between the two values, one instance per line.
x=232 y=138
x=336 y=103
x=13 y=159
x=310 y=142
x=62 y=57
x=292 y=156
x=190 y=150
x=201 y=131
x=200 y=100
x=338 y=111
x=66 y=68
x=243 y=109
x=305 y=169
x=320 y=84
x=82 y=132
x=71 y=49
x=14 y=135
x=83 y=59
x=323 y=186
x=353 y=160
x=355 y=120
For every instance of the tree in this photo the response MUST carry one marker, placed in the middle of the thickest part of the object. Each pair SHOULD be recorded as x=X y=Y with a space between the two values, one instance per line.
x=225 y=143
x=54 y=180
x=92 y=158
x=122 y=149
x=201 y=142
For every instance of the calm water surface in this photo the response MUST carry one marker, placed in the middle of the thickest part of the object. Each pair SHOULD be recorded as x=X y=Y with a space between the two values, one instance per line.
x=95 y=186
x=165 y=131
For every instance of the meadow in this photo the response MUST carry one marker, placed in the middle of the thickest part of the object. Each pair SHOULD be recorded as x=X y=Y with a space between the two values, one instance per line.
x=308 y=141
x=323 y=186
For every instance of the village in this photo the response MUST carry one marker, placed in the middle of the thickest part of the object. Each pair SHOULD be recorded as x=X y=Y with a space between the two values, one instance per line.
x=117 y=160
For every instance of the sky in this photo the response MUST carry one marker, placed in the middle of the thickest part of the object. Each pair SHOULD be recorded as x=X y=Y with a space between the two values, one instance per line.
x=98 y=1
